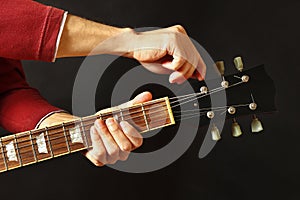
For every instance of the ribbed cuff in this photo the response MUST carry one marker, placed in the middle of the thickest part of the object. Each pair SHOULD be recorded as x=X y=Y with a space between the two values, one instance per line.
x=48 y=115
x=62 y=24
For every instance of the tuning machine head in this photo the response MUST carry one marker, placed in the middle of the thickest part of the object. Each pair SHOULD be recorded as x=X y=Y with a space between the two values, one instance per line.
x=256 y=125
x=221 y=67
x=215 y=133
x=236 y=129
x=238 y=63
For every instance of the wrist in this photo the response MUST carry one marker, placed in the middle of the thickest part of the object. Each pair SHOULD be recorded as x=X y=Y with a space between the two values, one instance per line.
x=121 y=42
x=56 y=118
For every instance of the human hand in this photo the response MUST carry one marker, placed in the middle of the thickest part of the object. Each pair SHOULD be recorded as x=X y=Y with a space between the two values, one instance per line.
x=152 y=49
x=113 y=141
x=155 y=48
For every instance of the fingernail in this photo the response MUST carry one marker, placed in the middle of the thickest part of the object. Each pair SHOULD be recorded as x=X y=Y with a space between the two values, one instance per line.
x=171 y=79
x=123 y=125
x=110 y=121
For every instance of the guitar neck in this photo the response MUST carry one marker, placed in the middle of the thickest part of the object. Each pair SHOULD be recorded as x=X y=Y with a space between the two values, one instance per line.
x=33 y=146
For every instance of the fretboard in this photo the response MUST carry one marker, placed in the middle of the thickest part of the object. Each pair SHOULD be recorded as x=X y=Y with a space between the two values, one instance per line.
x=37 y=145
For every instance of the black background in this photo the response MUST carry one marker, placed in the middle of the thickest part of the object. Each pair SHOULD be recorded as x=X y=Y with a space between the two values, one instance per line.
x=263 y=166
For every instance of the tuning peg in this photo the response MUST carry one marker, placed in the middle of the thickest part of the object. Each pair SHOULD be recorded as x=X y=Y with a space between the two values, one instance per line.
x=253 y=106
x=210 y=114
x=231 y=110
x=221 y=67
x=236 y=129
x=224 y=83
x=215 y=133
x=203 y=90
x=238 y=63
x=256 y=125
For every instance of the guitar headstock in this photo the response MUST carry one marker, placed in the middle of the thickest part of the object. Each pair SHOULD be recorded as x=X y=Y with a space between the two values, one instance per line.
x=248 y=93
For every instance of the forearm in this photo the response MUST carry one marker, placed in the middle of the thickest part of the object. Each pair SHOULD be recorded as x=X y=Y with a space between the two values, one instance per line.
x=80 y=37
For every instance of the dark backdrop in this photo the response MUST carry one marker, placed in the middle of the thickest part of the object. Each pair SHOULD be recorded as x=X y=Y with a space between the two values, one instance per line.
x=262 y=167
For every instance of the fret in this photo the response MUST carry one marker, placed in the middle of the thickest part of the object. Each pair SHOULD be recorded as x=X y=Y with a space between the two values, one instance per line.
x=159 y=113
x=136 y=117
x=171 y=117
x=3 y=159
x=88 y=122
x=84 y=133
x=49 y=142
x=160 y=117
x=74 y=135
x=67 y=143
x=18 y=151
x=145 y=117
x=80 y=132
x=121 y=114
x=32 y=146
x=24 y=145
x=10 y=154
x=36 y=145
x=58 y=141
x=41 y=144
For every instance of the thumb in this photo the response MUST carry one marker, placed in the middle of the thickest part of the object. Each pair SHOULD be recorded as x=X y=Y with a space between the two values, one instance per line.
x=140 y=98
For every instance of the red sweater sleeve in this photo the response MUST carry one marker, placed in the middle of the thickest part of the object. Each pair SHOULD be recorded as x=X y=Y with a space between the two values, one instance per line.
x=21 y=107
x=28 y=30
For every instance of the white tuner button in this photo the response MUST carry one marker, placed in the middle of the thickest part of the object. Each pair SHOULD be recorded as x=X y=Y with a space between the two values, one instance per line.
x=210 y=114
x=203 y=90
x=231 y=110
x=245 y=78
x=252 y=106
x=224 y=84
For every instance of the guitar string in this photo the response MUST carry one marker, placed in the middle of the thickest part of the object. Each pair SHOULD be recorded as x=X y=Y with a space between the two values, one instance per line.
x=43 y=158
x=108 y=114
x=191 y=115
x=68 y=136
x=64 y=141
x=52 y=144
x=65 y=147
x=193 y=95
x=64 y=152
x=213 y=109
x=131 y=118
x=94 y=118
x=210 y=92
x=137 y=116
x=220 y=89
x=186 y=97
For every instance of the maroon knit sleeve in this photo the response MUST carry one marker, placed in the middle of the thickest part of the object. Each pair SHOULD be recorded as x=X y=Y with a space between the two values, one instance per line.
x=28 y=30
x=21 y=106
